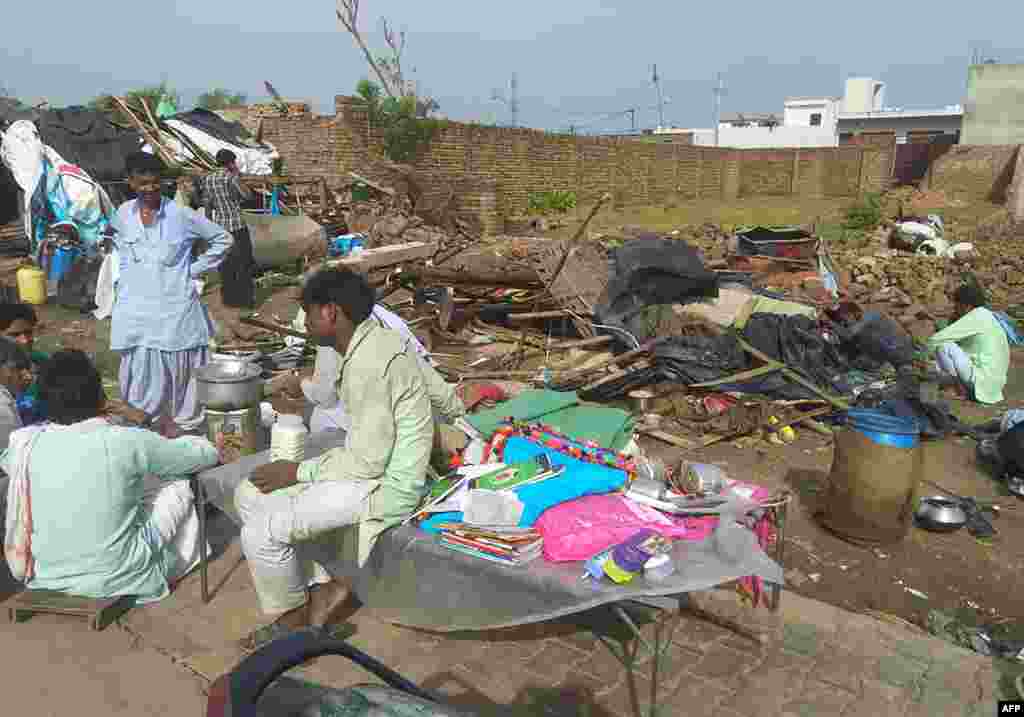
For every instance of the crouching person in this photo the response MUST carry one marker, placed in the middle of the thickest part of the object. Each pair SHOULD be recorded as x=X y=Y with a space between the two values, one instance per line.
x=81 y=518
x=367 y=486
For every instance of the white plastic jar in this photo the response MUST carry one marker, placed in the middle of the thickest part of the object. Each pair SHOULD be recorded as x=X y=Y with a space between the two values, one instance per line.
x=288 y=438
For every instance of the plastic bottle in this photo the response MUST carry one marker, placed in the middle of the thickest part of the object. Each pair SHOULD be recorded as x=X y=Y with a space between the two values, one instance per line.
x=288 y=438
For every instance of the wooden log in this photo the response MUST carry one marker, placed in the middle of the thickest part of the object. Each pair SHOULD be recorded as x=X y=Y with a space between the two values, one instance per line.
x=511 y=280
x=386 y=256
x=534 y=315
x=669 y=438
x=273 y=327
x=614 y=360
x=571 y=244
x=379 y=187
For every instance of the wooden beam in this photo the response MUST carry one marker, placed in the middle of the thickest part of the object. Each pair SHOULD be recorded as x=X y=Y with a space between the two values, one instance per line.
x=379 y=187
x=386 y=256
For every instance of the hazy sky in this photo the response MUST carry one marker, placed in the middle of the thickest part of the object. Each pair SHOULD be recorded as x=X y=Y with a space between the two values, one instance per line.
x=576 y=60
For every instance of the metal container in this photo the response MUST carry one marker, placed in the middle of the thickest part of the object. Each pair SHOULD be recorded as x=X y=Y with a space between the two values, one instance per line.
x=229 y=385
x=702 y=478
x=940 y=514
x=235 y=433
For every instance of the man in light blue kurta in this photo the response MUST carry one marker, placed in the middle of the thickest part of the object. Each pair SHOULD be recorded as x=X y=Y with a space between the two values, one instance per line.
x=95 y=531
x=158 y=324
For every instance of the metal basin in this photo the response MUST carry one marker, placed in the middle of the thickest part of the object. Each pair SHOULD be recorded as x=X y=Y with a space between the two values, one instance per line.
x=278 y=239
x=229 y=385
x=940 y=514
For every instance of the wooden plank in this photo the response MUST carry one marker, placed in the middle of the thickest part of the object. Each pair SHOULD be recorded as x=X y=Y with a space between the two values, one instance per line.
x=386 y=256
x=379 y=187
x=669 y=438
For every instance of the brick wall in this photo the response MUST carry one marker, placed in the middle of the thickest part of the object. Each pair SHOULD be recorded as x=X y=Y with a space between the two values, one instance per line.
x=981 y=172
x=494 y=170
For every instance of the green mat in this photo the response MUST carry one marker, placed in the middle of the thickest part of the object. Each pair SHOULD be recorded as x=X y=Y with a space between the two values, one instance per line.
x=608 y=427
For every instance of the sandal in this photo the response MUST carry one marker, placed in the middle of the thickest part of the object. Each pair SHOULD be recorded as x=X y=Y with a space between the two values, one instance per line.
x=264 y=635
x=268 y=633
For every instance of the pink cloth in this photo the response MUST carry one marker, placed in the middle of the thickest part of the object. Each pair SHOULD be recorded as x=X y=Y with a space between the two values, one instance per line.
x=580 y=529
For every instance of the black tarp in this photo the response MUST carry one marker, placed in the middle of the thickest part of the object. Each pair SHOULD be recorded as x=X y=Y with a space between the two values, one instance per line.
x=216 y=126
x=651 y=271
x=794 y=340
x=89 y=139
x=81 y=136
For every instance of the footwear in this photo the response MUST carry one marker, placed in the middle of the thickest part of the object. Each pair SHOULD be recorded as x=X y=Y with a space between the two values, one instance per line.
x=264 y=635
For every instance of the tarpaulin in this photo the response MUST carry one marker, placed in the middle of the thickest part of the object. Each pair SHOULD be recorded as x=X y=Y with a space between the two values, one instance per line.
x=649 y=271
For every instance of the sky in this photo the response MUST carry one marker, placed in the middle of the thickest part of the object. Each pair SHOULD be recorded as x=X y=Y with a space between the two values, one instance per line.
x=579 y=63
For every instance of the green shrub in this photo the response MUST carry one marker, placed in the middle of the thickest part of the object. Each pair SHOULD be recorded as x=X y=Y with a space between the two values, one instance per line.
x=865 y=214
x=551 y=202
x=404 y=132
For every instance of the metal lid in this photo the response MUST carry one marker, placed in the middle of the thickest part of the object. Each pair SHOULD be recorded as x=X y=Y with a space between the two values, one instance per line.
x=229 y=372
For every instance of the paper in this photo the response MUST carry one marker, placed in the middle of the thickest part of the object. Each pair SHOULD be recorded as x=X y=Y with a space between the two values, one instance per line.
x=492 y=507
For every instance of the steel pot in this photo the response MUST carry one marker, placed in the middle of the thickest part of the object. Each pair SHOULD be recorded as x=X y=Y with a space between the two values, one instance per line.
x=940 y=514
x=229 y=385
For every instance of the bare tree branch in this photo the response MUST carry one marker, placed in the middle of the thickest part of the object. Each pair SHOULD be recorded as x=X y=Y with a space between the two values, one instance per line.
x=397 y=45
x=348 y=14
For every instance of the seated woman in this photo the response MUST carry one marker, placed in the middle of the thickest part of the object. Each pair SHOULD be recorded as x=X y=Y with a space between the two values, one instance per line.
x=79 y=518
x=18 y=323
x=15 y=378
x=973 y=350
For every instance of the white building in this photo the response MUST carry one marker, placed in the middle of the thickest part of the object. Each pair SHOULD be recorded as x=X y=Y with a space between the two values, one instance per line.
x=805 y=122
x=811 y=112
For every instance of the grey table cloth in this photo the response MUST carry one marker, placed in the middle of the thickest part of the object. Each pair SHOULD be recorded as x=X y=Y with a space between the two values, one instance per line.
x=412 y=580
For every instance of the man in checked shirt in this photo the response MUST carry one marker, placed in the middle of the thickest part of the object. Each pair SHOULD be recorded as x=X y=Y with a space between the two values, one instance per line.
x=222 y=193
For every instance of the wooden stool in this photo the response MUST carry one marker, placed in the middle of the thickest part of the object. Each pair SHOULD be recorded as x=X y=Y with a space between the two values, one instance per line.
x=100 y=612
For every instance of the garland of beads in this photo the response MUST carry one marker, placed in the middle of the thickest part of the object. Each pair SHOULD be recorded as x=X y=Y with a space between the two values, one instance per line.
x=544 y=435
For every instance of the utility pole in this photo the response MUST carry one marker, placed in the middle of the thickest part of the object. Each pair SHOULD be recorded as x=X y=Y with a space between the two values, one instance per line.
x=718 y=92
x=632 y=117
x=513 y=102
x=661 y=103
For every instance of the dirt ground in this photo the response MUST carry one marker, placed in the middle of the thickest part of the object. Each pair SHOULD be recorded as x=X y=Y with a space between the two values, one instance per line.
x=950 y=570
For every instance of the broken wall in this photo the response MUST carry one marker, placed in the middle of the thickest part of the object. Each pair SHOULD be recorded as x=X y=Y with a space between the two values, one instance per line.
x=495 y=169
x=980 y=172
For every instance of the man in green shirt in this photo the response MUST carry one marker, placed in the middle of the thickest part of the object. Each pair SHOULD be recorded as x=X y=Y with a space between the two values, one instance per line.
x=974 y=349
x=369 y=485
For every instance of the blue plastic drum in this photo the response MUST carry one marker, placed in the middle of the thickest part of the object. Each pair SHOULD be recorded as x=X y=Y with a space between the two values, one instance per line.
x=885 y=429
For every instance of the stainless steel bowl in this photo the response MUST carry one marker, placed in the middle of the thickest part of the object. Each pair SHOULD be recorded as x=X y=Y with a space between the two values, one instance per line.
x=940 y=514
x=229 y=385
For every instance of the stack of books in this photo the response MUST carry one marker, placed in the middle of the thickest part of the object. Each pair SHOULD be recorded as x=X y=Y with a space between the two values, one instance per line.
x=508 y=546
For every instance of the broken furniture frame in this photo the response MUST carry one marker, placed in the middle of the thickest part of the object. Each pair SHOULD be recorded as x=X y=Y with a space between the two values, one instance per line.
x=668 y=611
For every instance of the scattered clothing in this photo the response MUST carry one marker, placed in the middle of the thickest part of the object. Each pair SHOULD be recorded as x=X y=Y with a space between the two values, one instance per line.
x=982 y=338
x=157 y=307
x=97 y=528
